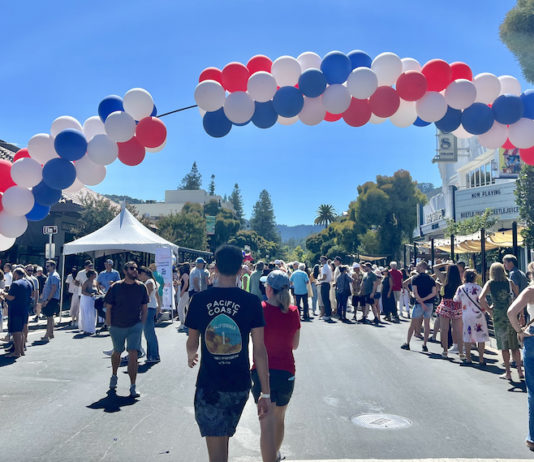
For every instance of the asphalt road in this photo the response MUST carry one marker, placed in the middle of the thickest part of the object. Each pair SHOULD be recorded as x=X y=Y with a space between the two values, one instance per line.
x=55 y=407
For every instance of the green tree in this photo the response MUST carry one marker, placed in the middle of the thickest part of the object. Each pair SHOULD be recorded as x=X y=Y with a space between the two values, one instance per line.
x=471 y=225
x=263 y=220
x=193 y=180
x=186 y=229
x=211 y=189
x=517 y=33
x=96 y=212
x=226 y=226
x=325 y=215
x=370 y=243
x=524 y=194
x=237 y=202
x=260 y=247
x=212 y=207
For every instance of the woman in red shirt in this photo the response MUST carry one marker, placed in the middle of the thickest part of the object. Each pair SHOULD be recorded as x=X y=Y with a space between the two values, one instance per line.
x=281 y=334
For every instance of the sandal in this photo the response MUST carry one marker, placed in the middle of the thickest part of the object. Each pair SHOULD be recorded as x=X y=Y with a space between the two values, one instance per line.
x=506 y=376
x=530 y=445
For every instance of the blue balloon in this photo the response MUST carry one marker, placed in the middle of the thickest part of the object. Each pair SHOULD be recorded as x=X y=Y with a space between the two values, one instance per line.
x=336 y=67
x=216 y=123
x=154 y=111
x=38 y=212
x=59 y=173
x=264 y=115
x=45 y=195
x=243 y=124
x=288 y=101
x=108 y=105
x=450 y=121
x=312 y=83
x=528 y=103
x=507 y=109
x=421 y=123
x=359 y=58
x=70 y=144
x=477 y=119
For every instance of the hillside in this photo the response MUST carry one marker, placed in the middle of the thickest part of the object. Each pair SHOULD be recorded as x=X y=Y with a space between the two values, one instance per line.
x=298 y=232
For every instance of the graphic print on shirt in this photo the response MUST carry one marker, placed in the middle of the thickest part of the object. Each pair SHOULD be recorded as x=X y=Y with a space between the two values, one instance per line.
x=223 y=336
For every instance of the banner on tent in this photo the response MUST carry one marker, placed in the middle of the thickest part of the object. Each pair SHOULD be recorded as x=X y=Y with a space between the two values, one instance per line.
x=164 y=266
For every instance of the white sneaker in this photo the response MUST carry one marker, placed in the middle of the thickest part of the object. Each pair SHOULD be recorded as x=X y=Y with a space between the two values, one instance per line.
x=454 y=349
x=108 y=352
x=133 y=392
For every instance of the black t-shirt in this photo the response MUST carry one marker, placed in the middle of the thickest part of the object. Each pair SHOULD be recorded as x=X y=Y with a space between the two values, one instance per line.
x=42 y=281
x=126 y=300
x=21 y=289
x=224 y=316
x=424 y=284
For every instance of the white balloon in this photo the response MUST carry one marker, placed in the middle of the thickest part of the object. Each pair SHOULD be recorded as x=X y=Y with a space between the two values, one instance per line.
x=12 y=226
x=210 y=95
x=102 y=150
x=27 y=172
x=239 y=107
x=6 y=242
x=261 y=86
x=309 y=60
x=88 y=172
x=461 y=132
x=521 y=133
x=156 y=149
x=362 y=82
x=388 y=67
x=63 y=123
x=460 y=94
x=201 y=111
x=495 y=137
x=288 y=120
x=405 y=115
x=120 y=126
x=138 y=103
x=312 y=112
x=509 y=85
x=41 y=148
x=17 y=201
x=377 y=120
x=410 y=64
x=336 y=98
x=431 y=107
x=488 y=87
x=74 y=187
x=286 y=70
x=93 y=126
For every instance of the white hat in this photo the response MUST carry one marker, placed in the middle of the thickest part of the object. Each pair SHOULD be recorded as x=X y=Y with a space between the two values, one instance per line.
x=355 y=265
x=278 y=262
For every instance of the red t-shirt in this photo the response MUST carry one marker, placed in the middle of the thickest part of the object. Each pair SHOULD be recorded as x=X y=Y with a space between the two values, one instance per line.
x=279 y=330
x=396 y=275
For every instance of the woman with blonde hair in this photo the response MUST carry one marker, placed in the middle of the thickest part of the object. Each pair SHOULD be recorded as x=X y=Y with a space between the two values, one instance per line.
x=502 y=292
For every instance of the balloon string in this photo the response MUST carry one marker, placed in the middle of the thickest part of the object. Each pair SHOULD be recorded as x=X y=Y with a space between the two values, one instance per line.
x=176 y=110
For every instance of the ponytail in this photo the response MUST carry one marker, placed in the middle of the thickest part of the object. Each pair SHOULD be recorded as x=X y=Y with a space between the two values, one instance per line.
x=282 y=297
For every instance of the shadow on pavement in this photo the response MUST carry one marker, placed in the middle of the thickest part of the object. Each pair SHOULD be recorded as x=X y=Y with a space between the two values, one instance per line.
x=6 y=361
x=518 y=387
x=112 y=402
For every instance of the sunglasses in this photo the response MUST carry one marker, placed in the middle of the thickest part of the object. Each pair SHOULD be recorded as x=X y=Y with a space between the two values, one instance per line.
x=133 y=268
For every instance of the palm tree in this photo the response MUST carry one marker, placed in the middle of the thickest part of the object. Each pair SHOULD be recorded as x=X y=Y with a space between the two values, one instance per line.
x=325 y=215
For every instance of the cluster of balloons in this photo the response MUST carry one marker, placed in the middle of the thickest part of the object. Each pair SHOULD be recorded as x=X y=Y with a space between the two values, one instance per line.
x=360 y=89
x=73 y=155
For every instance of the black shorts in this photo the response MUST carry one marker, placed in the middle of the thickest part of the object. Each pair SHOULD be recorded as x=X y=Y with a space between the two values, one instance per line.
x=51 y=308
x=16 y=322
x=358 y=300
x=281 y=384
x=367 y=299
x=218 y=412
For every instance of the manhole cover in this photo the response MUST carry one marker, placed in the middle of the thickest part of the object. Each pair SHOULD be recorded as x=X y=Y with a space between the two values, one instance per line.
x=381 y=421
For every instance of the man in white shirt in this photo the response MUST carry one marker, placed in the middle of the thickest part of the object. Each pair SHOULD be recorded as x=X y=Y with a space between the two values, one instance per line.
x=198 y=279
x=8 y=277
x=325 y=279
x=81 y=277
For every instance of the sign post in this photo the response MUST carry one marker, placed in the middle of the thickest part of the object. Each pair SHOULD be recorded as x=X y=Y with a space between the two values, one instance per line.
x=50 y=250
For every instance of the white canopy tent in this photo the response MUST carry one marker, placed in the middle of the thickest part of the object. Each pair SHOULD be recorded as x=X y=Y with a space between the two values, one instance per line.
x=123 y=233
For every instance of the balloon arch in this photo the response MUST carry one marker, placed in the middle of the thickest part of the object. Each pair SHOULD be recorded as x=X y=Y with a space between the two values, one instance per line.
x=353 y=87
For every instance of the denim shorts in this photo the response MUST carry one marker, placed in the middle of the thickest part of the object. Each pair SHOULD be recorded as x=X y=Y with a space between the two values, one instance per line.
x=218 y=412
x=281 y=384
x=130 y=335
x=418 y=311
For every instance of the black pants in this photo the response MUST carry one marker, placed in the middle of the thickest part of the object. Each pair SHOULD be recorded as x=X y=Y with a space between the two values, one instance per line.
x=305 y=309
x=325 y=296
x=342 y=299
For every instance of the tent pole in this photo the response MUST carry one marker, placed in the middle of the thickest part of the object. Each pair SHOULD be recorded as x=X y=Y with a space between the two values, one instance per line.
x=483 y=250
x=62 y=287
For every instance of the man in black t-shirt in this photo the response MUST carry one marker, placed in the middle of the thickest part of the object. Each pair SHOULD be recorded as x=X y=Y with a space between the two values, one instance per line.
x=222 y=319
x=424 y=291
x=126 y=310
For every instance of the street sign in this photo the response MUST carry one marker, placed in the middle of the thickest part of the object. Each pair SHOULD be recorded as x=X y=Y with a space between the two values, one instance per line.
x=50 y=251
x=49 y=229
x=447 y=149
x=210 y=225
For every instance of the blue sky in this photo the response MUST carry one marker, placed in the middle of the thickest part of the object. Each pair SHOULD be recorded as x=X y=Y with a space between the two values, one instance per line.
x=62 y=58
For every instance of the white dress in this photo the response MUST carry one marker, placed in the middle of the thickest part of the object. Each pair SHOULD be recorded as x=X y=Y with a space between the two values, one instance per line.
x=474 y=320
x=87 y=321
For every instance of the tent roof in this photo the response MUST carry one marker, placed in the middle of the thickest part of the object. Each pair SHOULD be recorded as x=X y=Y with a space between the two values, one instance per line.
x=121 y=234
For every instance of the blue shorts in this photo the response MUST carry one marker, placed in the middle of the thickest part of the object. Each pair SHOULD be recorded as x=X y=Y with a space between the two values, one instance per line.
x=130 y=335
x=418 y=311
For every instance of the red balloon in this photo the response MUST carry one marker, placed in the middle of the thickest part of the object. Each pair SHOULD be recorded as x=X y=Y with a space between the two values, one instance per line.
x=20 y=154
x=461 y=70
x=438 y=74
x=507 y=144
x=235 y=77
x=358 y=113
x=151 y=132
x=411 y=85
x=211 y=73
x=384 y=102
x=131 y=152
x=527 y=155
x=1 y=205
x=332 y=117
x=259 y=63
x=5 y=175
